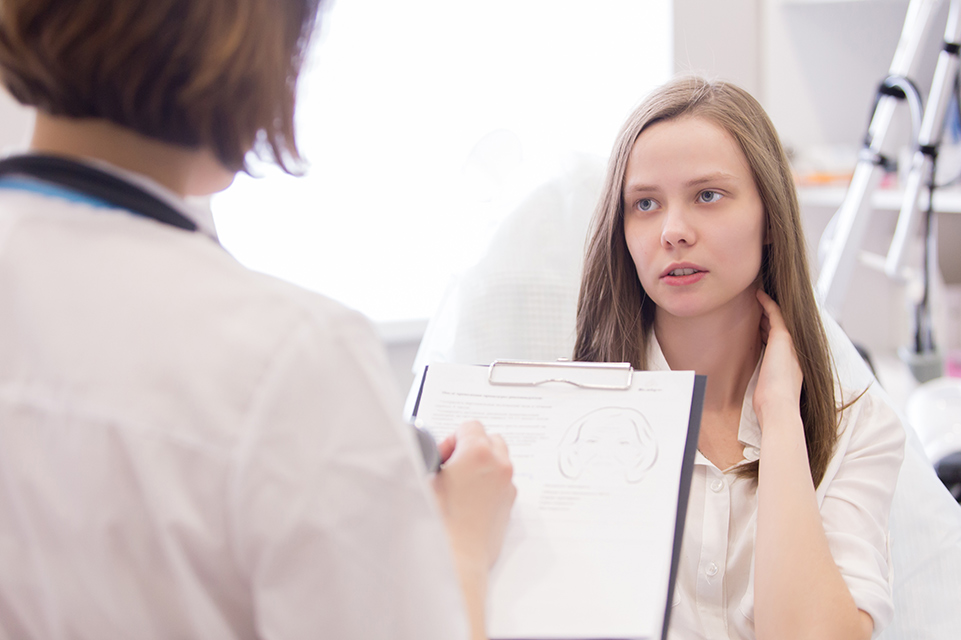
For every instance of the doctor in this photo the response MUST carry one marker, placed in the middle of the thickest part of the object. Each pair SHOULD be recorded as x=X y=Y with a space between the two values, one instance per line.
x=189 y=449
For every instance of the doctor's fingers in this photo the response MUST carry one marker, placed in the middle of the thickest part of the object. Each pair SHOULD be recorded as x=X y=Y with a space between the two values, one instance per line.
x=446 y=447
x=499 y=446
x=464 y=433
x=473 y=433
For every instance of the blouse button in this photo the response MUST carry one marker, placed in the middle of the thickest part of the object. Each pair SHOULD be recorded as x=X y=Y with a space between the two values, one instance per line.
x=711 y=569
x=717 y=485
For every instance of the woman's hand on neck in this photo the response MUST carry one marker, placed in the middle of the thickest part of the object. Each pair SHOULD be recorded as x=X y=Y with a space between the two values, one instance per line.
x=724 y=345
x=183 y=170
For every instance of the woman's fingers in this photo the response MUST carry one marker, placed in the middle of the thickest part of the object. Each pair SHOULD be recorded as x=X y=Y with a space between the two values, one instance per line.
x=772 y=312
x=780 y=380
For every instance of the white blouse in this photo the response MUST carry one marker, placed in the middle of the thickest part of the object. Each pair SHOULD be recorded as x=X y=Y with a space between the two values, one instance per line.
x=714 y=595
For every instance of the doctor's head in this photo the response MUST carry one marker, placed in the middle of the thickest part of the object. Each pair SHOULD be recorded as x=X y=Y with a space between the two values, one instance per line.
x=218 y=75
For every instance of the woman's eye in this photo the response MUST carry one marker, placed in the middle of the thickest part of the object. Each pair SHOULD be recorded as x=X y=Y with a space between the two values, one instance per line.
x=709 y=196
x=645 y=204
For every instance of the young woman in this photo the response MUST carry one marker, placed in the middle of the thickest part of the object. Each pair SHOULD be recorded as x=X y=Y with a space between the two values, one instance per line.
x=189 y=449
x=696 y=261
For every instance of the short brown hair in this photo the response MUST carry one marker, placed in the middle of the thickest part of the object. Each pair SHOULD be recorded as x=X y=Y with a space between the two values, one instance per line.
x=614 y=314
x=216 y=74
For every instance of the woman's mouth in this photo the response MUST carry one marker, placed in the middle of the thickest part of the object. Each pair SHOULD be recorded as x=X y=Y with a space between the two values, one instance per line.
x=680 y=276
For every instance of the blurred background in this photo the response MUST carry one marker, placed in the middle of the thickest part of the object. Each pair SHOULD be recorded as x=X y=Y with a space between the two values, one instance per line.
x=425 y=122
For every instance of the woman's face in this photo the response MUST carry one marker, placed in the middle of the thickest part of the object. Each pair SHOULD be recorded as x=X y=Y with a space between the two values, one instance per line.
x=693 y=219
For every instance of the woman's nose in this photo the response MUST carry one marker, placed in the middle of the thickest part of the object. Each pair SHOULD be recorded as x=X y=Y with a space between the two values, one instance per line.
x=677 y=229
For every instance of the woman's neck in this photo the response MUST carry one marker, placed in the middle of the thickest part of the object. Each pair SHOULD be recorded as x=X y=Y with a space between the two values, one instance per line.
x=183 y=170
x=724 y=345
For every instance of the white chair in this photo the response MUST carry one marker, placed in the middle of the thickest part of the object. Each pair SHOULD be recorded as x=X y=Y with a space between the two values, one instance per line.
x=519 y=302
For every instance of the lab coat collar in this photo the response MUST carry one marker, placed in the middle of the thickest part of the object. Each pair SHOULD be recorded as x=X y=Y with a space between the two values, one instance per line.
x=197 y=210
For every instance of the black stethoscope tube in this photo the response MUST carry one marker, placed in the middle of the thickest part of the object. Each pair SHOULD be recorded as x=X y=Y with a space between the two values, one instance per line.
x=97 y=184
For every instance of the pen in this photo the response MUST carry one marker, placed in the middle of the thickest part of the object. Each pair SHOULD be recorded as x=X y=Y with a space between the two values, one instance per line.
x=428 y=447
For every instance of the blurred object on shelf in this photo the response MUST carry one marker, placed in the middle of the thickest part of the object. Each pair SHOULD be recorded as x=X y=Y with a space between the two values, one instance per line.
x=824 y=165
x=950 y=319
x=952 y=363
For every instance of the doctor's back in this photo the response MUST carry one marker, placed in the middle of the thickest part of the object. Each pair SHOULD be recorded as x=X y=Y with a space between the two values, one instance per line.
x=187 y=448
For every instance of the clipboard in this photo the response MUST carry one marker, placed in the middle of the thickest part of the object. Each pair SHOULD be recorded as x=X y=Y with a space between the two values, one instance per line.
x=503 y=382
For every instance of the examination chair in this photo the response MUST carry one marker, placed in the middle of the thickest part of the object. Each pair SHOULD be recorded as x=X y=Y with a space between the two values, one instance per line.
x=519 y=301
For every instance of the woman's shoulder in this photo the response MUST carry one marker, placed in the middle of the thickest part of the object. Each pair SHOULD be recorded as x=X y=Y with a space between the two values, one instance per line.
x=870 y=440
x=868 y=417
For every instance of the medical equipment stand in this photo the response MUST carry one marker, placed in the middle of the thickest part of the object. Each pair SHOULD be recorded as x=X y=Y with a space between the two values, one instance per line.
x=851 y=220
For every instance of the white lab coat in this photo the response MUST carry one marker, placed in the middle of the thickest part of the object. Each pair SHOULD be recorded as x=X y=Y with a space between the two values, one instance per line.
x=189 y=449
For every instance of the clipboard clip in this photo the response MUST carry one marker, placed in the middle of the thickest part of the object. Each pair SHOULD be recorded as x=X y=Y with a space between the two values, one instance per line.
x=613 y=376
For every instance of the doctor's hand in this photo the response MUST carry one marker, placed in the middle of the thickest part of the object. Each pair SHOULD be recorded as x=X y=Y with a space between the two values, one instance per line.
x=475 y=495
x=475 y=492
x=777 y=398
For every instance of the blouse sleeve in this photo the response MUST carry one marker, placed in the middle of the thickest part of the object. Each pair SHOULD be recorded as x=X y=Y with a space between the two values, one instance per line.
x=855 y=501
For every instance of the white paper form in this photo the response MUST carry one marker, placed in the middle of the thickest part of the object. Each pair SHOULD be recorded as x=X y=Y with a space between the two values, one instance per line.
x=588 y=549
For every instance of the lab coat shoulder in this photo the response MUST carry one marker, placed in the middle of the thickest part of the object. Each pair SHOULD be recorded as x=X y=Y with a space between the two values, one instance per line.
x=160 y=327
x=326 y=484
x=326 y=487
x=255 y=421
x=326 y=493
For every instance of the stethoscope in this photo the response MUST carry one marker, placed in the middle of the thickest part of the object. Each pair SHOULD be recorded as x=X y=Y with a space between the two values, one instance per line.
x=99 y=186
x=107 y=189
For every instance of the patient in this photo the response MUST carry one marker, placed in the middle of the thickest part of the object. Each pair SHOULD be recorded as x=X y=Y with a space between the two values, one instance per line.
x=696 y=261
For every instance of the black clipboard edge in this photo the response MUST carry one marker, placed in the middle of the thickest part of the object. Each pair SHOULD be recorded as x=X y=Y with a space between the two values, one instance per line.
x=420 y=390
x=687 y=474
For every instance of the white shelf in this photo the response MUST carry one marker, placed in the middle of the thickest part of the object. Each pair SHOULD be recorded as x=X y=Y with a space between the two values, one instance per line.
x=803 y=2
x=946 y=200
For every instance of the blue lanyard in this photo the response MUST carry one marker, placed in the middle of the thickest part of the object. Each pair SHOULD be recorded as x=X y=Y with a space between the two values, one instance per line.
x=76 y=182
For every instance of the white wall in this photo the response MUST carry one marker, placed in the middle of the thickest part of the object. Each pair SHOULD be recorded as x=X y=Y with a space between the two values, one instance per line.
x=720 y=40
x=815 y=66
x=823 y=62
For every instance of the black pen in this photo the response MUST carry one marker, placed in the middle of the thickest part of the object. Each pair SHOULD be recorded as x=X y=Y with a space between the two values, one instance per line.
x=428 y=446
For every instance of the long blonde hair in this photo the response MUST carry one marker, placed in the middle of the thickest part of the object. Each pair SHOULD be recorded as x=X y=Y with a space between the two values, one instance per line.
x=614 y=315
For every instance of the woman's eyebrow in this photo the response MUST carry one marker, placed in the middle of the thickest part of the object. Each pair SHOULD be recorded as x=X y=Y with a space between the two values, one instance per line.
x=718 y=176
x=635 y=187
